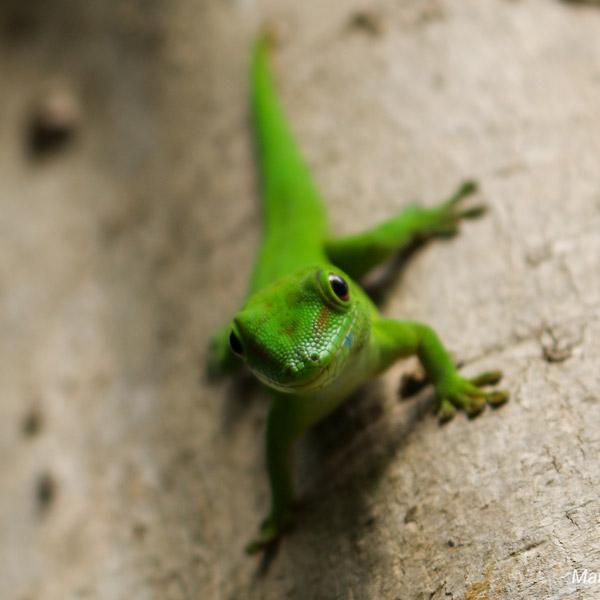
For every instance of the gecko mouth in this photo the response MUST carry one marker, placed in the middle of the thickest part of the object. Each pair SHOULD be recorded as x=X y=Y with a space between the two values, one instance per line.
x=294 y=386
x=311 y=382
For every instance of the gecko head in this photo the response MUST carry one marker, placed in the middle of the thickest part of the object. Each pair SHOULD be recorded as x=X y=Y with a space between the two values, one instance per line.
x=296 y=333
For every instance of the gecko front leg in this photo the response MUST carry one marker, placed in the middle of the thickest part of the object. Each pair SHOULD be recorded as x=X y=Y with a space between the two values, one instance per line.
x=392 y=340
x=357 y=254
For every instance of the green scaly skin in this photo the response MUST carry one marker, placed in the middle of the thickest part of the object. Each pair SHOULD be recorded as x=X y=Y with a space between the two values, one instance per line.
x=299 y=335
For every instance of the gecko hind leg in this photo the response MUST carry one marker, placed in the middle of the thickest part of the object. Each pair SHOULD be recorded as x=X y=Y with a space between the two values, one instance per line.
x=359 y=253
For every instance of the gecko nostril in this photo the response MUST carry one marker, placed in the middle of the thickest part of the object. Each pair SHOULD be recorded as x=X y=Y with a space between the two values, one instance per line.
x=314 y=357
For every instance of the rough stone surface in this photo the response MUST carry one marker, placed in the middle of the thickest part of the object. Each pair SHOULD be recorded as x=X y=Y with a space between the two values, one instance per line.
x=124 y=475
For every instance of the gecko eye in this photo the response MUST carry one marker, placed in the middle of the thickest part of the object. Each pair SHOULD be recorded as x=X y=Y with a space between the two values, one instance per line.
x=339 y=287
x=235 y=344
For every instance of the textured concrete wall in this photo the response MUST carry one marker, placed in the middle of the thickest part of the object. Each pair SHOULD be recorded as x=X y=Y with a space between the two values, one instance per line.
x=126 y=476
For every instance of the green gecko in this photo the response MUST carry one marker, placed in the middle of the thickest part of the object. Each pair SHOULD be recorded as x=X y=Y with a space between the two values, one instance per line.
x=307 y=330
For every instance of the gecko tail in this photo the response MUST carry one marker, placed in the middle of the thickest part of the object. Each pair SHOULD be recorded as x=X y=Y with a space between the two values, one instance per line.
x=276 y=145
x=295 y=223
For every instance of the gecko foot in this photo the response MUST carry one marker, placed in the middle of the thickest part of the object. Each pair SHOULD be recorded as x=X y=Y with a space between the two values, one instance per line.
x=466 y=394
x=269 y=535
x=446 y=217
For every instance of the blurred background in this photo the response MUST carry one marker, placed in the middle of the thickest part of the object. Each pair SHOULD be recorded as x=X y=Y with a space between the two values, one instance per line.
x=128 y=224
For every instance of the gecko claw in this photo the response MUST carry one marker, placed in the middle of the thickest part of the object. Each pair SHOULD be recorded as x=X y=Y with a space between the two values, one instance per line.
x=473 y=213
x=445 y=411
x=466 y=188
x=269 y=535
x=487 y=378
x=497 y=398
